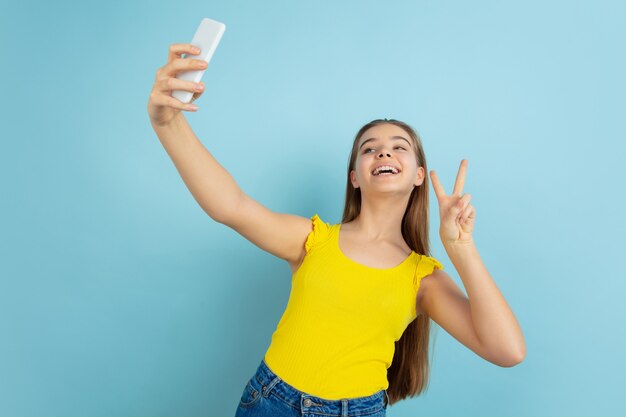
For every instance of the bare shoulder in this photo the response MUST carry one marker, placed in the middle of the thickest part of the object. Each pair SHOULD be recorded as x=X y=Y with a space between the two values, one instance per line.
x=430 y=285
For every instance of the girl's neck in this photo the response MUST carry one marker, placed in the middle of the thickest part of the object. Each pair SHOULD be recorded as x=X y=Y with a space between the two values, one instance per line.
x=378 y=223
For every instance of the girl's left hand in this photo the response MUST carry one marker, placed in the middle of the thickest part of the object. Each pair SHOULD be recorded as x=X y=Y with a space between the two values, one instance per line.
x=456 y=214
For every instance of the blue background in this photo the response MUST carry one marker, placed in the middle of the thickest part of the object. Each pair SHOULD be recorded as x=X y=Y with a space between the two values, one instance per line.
x=119 y=296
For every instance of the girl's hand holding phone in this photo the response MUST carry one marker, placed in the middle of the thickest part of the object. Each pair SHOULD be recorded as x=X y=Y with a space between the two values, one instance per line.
x=162 y=107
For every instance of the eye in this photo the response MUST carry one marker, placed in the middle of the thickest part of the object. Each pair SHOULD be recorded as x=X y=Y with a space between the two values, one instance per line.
x=371 y=149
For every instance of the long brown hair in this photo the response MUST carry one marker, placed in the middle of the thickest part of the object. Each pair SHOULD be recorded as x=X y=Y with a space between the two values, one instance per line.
x=408 y=373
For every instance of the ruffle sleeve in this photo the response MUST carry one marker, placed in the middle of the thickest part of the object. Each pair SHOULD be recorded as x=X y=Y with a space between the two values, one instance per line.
x=426 y=266
x=319 y=233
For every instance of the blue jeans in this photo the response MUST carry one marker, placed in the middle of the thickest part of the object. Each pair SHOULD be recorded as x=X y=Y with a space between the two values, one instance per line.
x=266 y=394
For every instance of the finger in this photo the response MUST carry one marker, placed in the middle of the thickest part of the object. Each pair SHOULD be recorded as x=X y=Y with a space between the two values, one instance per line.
x=170 y=83
x=165 y=100
x=466 y=212
x=179 y=65
x=439 y=192
x=460 y=178
x=198 y=93
x=462 y=205
x=463 y=201
x=177 y=49
x=470 y=218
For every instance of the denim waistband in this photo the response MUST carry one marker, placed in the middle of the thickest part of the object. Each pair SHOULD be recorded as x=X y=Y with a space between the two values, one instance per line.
x=272 y=383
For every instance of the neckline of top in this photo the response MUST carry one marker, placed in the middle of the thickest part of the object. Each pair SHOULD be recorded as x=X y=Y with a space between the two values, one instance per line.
x=343 y=255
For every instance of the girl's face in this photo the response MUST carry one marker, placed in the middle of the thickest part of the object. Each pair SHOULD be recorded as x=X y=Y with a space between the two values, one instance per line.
x=386 y=144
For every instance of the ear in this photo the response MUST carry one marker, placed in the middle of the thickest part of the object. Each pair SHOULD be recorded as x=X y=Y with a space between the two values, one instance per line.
x=353 y=180
x=419 y=178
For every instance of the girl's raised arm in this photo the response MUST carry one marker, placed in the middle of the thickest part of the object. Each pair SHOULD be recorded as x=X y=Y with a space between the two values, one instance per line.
x=212 y=186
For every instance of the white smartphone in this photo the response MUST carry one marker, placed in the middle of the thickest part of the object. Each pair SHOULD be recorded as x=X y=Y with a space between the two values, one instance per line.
x=207 y=38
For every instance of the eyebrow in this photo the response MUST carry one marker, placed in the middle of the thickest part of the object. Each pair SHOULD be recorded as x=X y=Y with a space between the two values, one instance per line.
x=393 y=137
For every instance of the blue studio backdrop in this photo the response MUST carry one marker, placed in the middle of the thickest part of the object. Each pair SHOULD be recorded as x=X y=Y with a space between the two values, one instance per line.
x=120 y=296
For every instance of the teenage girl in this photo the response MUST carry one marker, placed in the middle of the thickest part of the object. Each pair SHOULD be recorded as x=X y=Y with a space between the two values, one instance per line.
x=354 y=336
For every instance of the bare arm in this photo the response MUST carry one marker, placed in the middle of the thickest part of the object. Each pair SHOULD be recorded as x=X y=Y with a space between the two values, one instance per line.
x=483 y=320
x=215 y=190
x=212 y=186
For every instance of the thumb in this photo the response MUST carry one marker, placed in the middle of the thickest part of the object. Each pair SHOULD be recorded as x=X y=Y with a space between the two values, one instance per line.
x=457 y=208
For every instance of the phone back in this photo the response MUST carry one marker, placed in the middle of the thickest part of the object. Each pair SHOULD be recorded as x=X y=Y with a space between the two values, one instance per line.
x=207 y=37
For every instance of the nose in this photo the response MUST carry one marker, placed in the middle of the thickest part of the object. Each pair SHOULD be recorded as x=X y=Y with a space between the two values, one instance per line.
x=380 y=155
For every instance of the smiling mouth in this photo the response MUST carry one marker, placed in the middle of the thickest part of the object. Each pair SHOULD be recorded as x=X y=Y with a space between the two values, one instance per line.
x=385 y=174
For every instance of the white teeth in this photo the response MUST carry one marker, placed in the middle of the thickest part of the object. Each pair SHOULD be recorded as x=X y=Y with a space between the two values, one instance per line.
x=393 y=169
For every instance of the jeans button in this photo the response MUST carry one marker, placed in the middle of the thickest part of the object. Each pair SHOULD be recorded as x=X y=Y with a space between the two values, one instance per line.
x=307 y=402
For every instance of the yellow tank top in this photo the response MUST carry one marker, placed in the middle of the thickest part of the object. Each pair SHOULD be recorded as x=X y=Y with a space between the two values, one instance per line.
x=336 y=337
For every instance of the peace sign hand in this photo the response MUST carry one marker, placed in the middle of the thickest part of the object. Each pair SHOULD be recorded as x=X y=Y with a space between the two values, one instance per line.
x=456 y=214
